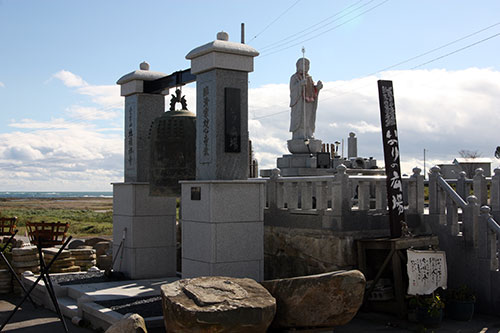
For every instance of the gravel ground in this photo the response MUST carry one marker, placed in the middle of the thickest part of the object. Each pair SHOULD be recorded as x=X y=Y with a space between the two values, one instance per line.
x=148 y=306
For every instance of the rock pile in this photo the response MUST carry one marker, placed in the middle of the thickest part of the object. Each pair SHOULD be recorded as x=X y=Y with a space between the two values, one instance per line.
x=64 y=262
x=24 y=259
x=84 y=257
x=217 y=304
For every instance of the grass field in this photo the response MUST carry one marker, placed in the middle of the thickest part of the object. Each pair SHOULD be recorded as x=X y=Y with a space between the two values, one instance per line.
x=86 y=216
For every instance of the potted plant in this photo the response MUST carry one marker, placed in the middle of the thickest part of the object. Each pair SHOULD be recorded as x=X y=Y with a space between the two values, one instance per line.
x=429 y=309
x=460 y=303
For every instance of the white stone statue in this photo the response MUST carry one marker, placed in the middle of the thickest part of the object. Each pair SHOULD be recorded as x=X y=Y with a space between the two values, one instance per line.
x=303 y=99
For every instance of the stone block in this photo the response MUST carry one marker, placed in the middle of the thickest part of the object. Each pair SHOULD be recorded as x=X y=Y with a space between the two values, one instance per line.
x=198 y=241
x=239 y=241
x=232 y=201
x=133 y=199
x=142 y=263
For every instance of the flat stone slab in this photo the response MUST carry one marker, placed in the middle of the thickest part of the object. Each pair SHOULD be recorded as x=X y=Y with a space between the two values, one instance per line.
x=217 y=304
x=315 y=301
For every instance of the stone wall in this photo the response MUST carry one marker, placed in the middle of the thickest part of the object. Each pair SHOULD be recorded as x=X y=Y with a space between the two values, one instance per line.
x=290 y=252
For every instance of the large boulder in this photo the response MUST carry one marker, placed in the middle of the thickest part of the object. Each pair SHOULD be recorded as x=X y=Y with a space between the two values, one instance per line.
x=314 y=301
x=217 y=304
x=130 y=323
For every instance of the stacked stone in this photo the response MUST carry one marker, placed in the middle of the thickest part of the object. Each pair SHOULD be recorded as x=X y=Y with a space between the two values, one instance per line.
x=5 y=281
x=64 y=262
x=84 y=257
x=104 y=255
x=24 y=259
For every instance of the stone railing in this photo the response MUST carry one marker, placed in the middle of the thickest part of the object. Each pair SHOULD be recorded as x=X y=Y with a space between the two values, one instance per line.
x=340 y=193
x=470 y=218
x=489 y=237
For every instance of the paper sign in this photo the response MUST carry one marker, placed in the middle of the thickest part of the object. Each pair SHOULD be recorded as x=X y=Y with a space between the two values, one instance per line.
x=426 y=271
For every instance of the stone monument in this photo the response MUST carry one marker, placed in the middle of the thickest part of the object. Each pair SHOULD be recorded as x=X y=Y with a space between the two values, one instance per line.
x=303 y=103
x=222 y=211
x=144 y=243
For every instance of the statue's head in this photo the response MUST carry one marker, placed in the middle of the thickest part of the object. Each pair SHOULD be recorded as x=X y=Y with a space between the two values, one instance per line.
x=302 y=63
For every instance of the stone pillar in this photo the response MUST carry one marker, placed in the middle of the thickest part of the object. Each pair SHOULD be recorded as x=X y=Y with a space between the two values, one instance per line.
x=221 y=69
x=352 y=145
x=140 y=111
x=144 y=225
x=222 y=211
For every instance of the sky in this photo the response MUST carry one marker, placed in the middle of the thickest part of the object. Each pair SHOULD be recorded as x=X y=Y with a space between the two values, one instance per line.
x=61 y=114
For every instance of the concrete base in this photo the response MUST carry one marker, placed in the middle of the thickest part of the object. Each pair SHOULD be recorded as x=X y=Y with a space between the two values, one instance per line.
x=223 y=228
x=149 y=248
x=299 y=146
x=297 y=161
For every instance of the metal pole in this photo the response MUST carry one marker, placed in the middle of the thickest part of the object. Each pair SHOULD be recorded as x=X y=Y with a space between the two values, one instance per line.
x=304 y=77
x=242 y=33
x=425 y=173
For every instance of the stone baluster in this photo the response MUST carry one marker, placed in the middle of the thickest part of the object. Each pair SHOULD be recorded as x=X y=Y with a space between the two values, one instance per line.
x=416 y=192
x=487 y=240
x=452 y=216
x=461 y=185
x=364 y=195
x=341 y=194
x=480 y=187
x=292 y=195
x=321 y=197
x=436 y=196
x=272 y=189
x=381 y=195
x=306 y=195
x=470 y=218
x=495 y=194
x=280 y=194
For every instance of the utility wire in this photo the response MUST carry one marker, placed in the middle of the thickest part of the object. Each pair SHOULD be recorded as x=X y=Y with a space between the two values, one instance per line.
x=459 y=50
x=324 y=32
x=276 y=19
x=436 y=49
x=417 y=66
x=284 y=40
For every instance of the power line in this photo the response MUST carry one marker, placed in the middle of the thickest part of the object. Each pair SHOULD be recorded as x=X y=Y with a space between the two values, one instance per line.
x=456 y=51
x=436 y=49
x=276 y=19
x=324 y=32
x=280 y=42
x=413 y=58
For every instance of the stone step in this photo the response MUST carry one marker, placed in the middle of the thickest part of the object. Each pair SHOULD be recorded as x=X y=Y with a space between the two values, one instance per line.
x=69 y=306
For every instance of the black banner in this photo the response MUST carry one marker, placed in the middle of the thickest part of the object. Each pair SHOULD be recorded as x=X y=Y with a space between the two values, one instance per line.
x=391 y=157
x=232 y=128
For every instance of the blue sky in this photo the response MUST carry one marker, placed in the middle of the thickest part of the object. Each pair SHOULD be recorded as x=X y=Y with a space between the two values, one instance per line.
x=61 y=117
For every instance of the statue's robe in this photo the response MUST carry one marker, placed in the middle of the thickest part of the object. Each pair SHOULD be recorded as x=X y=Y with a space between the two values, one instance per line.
x=297 y=100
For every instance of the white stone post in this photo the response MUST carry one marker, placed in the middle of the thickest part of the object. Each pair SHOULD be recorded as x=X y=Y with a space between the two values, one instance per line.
x=144 y=225
x=222 y=211
x=461 y=185
x=495 y=193
x=480 y=187
x=471 y=221
x=437 y=199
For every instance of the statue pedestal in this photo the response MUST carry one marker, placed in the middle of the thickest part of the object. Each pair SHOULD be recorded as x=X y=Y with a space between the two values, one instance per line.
x=298 y=146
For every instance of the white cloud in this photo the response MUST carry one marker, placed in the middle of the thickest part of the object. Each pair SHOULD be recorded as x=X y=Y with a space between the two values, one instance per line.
x=442 y=111
x=92 y=113
x=69 y=79
x=2 y=85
